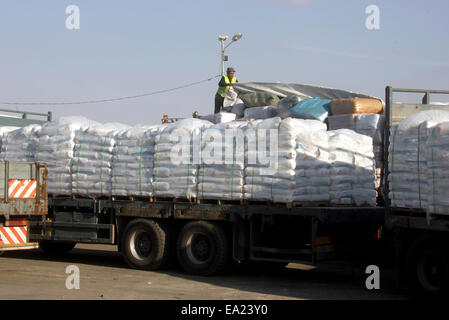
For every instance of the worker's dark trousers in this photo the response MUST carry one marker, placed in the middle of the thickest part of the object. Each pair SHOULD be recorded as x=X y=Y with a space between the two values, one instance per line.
x=218 y=103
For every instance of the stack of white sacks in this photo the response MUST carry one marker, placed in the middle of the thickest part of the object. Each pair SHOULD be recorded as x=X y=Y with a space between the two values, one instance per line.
x=176 y=158
x=408 y=159
x=55 y=147
x=437 y=156
x=20 y=144
x=371 y=125
x=271 y=159
x=4 y=131
x=221 y=173
x=92 y=163
x=352 y=170
x=312 y=163
x=132 y=163
x=408 y=167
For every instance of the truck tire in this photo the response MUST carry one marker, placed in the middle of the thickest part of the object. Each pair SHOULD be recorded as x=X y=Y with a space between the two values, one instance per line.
x=56 y=247
x=146 y=245
x=203 y=248
x=428 y=269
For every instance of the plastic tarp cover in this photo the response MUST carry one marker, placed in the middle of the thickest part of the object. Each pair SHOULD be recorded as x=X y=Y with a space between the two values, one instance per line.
x=301 y=90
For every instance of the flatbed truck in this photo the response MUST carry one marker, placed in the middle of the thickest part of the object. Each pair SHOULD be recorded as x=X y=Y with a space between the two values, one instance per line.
x=205 y=237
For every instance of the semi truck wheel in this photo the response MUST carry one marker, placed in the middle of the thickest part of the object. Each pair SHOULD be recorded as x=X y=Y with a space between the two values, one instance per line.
x=428 y=269
x=145 y=245
x=56 y=247
x=202 y=248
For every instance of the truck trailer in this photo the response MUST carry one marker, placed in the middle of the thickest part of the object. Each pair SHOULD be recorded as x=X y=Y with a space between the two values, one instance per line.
x=207 y=236
x=421 y=245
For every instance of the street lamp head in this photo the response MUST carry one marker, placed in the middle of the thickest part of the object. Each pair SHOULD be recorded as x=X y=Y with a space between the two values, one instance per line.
x=237 y=37
x=222 y=38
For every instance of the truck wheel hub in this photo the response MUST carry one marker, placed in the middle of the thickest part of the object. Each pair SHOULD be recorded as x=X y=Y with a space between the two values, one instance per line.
x=201 y=247
x=143 y=244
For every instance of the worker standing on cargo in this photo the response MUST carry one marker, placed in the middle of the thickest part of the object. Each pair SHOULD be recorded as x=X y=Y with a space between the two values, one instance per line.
x=223 y=87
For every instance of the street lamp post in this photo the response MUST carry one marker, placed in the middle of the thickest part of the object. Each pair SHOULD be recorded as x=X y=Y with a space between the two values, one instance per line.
x=222 y=40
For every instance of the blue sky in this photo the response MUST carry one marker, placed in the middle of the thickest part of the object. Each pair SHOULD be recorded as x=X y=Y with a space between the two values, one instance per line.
x=132 y=47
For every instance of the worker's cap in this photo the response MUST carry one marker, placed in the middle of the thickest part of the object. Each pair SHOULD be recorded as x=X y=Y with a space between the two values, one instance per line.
x=230 y=70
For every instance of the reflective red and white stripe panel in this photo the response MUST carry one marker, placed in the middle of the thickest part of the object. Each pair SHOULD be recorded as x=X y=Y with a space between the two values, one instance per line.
x=13 y=235
x=22 y=189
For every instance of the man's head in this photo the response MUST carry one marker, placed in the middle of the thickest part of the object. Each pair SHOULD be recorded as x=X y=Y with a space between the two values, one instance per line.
x=230 y=72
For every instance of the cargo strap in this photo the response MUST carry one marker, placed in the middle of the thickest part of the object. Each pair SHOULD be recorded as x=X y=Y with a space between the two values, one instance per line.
x=78 y=167
x=140 y=164
x=37 y=149
x=418 y=165
x=234 y=149
x=277 y=154
x=102 y=163
x=119 y=144
x=188 y=164
x=202 y=166
x=392 y=162
x=433 y=173
x=156 y=160
x=254 y=168
x=4 y=156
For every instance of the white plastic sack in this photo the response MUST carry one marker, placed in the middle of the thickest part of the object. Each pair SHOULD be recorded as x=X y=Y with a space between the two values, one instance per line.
x=260 y=112
x=231 y=98
x=238 y=108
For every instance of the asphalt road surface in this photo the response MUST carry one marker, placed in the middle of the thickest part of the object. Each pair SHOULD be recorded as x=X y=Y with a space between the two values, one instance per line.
x=104 y=275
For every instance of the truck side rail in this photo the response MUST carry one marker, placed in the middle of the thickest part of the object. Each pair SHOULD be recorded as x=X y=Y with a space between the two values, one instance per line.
x=186 y=210
x=21 y=118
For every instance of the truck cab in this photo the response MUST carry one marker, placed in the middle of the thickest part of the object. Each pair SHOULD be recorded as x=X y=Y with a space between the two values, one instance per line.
x=23 y=188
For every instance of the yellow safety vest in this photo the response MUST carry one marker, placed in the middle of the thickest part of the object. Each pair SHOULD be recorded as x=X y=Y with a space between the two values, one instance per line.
x=222 y=91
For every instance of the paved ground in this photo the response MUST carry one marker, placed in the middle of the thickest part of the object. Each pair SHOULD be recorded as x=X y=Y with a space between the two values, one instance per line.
x=104 y=275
